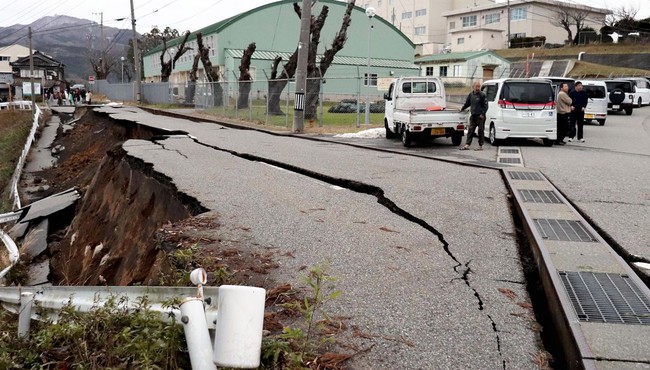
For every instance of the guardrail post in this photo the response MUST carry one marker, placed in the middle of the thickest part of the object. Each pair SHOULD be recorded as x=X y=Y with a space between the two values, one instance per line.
x=196 y=334
x=25 y=313
x=238 y=334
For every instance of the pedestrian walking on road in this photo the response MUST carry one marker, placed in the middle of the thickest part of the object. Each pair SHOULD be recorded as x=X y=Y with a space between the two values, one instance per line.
x=579 y=102
x=479 y=106
x=563 y=103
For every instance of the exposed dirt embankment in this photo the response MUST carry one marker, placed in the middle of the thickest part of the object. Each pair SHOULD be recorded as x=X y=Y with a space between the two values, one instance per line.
x=112 y=238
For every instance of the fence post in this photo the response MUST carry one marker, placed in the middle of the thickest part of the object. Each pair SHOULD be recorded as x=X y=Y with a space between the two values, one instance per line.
x=286 y=114
x=322 y=95
x=358 y=96
x=25 y=314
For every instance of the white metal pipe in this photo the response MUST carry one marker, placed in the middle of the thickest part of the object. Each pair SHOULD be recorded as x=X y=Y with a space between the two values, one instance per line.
x=240 y=318
x=196 y=334
x=25 y=313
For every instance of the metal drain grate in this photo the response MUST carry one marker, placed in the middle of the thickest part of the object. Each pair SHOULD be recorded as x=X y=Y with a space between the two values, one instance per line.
x=509 y=160
x=539 y=196
x=509 y=151
x=606 y=298
x=563 y=230
x=520 y=175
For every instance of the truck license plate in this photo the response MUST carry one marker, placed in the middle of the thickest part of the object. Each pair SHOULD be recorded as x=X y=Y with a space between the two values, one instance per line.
x=438 y=131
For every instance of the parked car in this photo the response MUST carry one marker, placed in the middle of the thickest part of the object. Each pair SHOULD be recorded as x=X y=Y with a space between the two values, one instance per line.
x=642 y=90
x=81 y=87
x=597 y=101
x=520 y=108
x=621 y=95
x=556 y=81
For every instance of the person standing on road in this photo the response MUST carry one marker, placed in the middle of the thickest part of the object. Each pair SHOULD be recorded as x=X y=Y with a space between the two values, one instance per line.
x=564 y=107
x=579 y=102
x=479 y=106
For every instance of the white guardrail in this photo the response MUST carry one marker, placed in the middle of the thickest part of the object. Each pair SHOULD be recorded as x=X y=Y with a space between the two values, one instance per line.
x=237 y=328
x=14 y=196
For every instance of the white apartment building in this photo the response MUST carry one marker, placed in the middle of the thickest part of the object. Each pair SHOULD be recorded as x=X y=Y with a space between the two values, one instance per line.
x=9 y=54
x=420 y=20
x=486 y=27
x=436 y=26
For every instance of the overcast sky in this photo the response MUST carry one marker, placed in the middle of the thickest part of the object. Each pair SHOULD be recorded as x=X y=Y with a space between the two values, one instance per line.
x=181 y=14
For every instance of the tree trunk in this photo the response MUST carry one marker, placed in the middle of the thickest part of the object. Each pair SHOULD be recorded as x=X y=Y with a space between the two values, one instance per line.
x=166 y=68
x=245 y=79
x=277 y=85
x=315 y=74
x=212 y=73
x=191 y=86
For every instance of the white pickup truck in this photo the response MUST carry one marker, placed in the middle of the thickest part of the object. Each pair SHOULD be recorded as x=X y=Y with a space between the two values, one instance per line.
x=415 y=109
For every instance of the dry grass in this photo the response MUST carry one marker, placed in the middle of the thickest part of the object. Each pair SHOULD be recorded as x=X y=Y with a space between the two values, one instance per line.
x=592 y=70
x=574 y=50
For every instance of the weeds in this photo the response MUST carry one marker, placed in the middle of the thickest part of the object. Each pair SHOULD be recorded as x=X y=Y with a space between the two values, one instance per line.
x=298 y=345
x=111 y=335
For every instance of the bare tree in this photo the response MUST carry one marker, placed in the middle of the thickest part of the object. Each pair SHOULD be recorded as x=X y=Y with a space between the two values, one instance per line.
x=191 y=86
x=277 y=83
x=166 y=67
x=579 y=16
x=245 y=78
x=563 y=18
x=211 y=72
x=102 y=64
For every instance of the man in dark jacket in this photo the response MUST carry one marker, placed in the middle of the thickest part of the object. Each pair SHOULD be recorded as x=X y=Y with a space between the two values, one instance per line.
x=579 y=102
x=479 y=106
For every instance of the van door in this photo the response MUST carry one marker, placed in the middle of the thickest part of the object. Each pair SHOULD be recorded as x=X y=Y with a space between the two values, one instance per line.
x=490 y=90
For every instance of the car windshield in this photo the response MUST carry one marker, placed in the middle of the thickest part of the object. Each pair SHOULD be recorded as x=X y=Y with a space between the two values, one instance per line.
x=595 y=92
x=626 y=86
x=527 y=92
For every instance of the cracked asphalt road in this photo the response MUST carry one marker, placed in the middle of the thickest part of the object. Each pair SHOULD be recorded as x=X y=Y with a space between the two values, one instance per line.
x=423 y=250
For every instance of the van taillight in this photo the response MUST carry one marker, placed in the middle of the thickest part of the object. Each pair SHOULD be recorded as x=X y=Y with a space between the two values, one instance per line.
x=550 y=106
x=503 y=103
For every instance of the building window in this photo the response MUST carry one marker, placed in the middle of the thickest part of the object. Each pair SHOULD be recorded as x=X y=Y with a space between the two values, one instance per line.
x=379 y=3
x=469 y=20
x=429 y=71
x=420 y=30
x=420 y=12
x=4 y=58
x=373 y=79
x=443 y=71
x=452 y=25
x=38 y=73
x=492 y=18
x=518 y=14
x=460 y=41
x=457 y=70
x=519 y=35
x=407 y=15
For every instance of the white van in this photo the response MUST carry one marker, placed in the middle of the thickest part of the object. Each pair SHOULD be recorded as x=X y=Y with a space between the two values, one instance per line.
x=597 y=101
x=520 y=108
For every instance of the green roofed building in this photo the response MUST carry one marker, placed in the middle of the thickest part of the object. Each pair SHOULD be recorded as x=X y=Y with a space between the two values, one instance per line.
x=463 y=68
x=275 y=29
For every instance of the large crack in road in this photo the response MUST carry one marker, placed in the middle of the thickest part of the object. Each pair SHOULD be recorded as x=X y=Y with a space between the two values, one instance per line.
x=463 y=270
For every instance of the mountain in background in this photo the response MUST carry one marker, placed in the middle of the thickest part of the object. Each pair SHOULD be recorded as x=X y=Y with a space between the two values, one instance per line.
x=70 y=40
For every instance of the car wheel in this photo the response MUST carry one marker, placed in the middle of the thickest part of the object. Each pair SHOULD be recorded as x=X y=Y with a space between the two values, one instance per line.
x=602 y=122
x=628 y=111
x=493 y=135
x=389 y=133
x=406 y=138
x=456 y=138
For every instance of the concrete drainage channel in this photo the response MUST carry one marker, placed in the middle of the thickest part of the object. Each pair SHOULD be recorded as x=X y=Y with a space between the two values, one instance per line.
x=599 y=306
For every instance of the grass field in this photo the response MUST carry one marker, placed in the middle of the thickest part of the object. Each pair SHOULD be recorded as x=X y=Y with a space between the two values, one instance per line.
x=14 y=128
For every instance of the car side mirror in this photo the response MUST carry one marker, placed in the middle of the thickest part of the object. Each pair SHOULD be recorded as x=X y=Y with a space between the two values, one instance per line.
x=387 y=97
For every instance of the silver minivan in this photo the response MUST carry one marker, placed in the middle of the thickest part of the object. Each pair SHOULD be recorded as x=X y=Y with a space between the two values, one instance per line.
x=596 y=109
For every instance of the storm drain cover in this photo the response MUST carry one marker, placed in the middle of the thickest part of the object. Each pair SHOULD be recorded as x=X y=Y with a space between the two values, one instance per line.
x=509 y=160
x=606 y=298
x=539 y=196
x=521 y=175
x=563 y=230
x=510 y=151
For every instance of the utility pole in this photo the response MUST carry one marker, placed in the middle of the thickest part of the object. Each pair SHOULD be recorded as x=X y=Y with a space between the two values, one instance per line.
x=102 y=61
x=136 y=56
x=31 y=71
x=301 y=68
